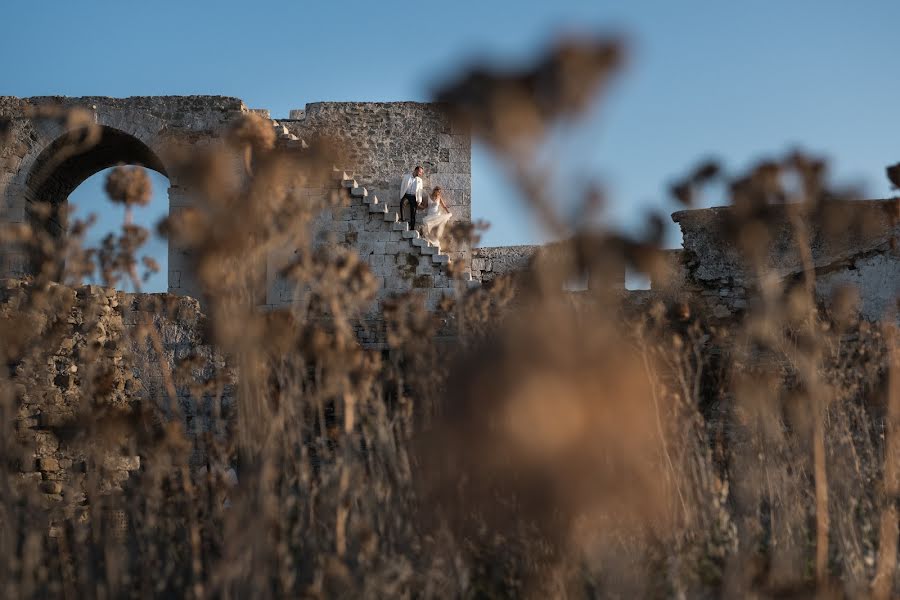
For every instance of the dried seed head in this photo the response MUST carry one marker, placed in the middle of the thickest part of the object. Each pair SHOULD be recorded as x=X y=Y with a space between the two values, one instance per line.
x=507 y=108
x=893 y=174
x=253 y=131
x=129 y=185
x=683 y=193
x=705 y=171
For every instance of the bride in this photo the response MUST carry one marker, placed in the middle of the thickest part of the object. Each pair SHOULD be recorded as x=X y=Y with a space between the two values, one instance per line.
x=436 y=218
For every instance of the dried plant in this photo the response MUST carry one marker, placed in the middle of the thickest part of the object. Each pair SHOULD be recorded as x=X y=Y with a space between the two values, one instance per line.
x=560 y=444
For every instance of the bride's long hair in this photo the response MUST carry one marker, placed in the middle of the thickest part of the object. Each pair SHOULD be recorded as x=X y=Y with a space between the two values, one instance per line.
x=437 y=192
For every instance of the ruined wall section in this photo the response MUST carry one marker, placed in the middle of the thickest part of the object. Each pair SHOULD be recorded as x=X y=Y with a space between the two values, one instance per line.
x=77 y=389
x=492 y=262
x=400 y=259
x=136 y=129
x=854 y=243
x=380 y=142
x=384 y=140
x=489 y=263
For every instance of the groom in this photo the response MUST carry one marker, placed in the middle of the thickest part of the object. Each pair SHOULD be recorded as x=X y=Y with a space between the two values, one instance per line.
x=411 y=193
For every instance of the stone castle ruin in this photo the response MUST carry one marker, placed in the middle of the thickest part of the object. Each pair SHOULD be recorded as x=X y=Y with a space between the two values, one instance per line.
x=384 y=140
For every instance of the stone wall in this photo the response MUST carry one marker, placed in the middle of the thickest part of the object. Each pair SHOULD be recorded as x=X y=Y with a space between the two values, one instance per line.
x=384 y=140
x=492 y=262
x=398 y=257
x=851 y=243
x=37 y=162
x=69 y=394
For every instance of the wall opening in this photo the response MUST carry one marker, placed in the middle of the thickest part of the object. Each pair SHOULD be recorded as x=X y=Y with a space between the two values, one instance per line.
x=89 y=198
x=69 y=170
x=636 y=280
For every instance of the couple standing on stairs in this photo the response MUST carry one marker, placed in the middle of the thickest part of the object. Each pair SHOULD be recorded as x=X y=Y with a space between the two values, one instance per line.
x=436 y=212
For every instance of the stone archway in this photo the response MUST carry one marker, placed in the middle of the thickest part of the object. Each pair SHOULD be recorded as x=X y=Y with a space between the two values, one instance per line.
x=136 y=130
x=62 y=166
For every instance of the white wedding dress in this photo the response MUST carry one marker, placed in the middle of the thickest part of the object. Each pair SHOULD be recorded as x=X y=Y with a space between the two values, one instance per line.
x=434 y=221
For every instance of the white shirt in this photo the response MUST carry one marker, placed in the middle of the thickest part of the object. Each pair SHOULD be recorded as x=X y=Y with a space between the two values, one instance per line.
x=412 y=185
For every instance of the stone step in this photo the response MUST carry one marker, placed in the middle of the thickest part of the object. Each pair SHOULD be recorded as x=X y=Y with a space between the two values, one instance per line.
x=420 y=242
x=349 y=183
x=377 y=208
x=391 y=217
x=284 y=133
x=359 y=192
x=429 y=249
x=440 y=259
x=401 y=225
x=373 y=199
x=411 y=234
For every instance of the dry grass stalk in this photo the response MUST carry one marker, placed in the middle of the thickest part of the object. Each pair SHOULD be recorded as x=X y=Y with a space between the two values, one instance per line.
x=565 y=445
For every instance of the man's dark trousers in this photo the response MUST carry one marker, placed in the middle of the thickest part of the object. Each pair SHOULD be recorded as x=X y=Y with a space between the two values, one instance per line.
x=410 y=200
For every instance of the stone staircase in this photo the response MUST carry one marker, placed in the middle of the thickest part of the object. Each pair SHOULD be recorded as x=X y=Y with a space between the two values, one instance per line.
x=376 y=207
x=410 y=261
x=285 y=137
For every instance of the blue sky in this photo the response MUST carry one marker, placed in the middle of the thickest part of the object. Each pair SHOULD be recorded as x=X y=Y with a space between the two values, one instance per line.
x=736 y=81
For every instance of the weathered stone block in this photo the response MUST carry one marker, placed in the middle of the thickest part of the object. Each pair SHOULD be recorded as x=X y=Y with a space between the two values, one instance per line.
x=49 y=464
x=122 y=463
x=456 y=141
x=452 y=181
x=460 y=155
x=45 y=443
x=51 y=487
x=453 y=167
